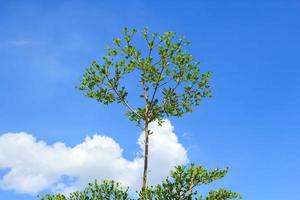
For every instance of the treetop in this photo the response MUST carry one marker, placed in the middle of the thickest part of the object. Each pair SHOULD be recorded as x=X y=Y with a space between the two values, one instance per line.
x=169 y=77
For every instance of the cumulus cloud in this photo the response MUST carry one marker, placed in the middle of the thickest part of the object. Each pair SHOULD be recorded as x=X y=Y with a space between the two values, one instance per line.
x=34 y=166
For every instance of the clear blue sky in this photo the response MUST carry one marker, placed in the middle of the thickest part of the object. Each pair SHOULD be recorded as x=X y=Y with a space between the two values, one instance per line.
x=251 y=124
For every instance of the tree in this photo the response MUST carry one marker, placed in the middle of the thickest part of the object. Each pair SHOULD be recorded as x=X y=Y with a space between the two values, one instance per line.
x=169 y=78
x=184 y=182
x=181 y=185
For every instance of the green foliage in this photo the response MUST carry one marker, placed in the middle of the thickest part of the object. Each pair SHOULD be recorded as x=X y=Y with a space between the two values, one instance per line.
x=181 y=185
x=220 y=194
x=104 y=191
x=169 y=78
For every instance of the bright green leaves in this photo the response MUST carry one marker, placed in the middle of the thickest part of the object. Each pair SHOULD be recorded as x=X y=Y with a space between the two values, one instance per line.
x=98 y=83
x=204 y=83
x=169 y=78
x=221 y=194
x=171 y=103
x=136 y=116
x=117 y=41
x=183 y=184
x=107 y=190
x=175 y=71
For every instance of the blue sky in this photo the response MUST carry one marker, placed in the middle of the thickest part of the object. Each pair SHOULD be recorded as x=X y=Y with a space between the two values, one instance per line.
x=252 y=47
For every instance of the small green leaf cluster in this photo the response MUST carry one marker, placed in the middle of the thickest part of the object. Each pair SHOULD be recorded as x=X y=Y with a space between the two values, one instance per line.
x=181 y=185
x=107 y=190
x=169 y=78
x=220 y=194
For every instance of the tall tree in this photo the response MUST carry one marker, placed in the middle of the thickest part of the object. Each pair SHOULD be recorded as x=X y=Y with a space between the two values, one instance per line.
x=169 y=79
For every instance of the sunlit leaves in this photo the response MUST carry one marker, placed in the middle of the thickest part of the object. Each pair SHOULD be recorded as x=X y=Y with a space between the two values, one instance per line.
x=220 y=194
x=107 y=190
x=170 y=81
x=183 y=184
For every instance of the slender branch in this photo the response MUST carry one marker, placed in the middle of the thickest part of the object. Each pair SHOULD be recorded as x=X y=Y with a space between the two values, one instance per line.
x=127 y=105
x=150 y=49
x=122 y=99
x=157 y=84
x=157 y=62
x=146 y=99
x=181 y=95
x=132 y=56
x=165 y=83
x=156 y=87
x=158 y=81
x=177 y=84
x=155 y=46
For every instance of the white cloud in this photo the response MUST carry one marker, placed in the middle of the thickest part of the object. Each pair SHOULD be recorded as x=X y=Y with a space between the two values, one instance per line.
x=34 y=166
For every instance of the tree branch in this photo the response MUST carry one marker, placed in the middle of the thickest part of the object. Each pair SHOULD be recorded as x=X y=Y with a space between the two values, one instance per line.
x=156 y=87
x=158 y=81
x=122 y=99
x=165 y=82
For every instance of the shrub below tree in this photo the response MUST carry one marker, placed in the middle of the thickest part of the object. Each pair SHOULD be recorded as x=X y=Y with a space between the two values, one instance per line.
x=182 y=184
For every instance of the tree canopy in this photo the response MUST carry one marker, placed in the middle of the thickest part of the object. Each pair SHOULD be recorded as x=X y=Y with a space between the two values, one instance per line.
x=169 y=77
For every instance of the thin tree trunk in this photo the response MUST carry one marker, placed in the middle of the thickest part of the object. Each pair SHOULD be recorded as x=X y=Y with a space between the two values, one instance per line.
x=146 y=156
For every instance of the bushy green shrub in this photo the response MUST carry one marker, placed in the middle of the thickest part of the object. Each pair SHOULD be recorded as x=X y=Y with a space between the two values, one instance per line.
x=182 y=184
